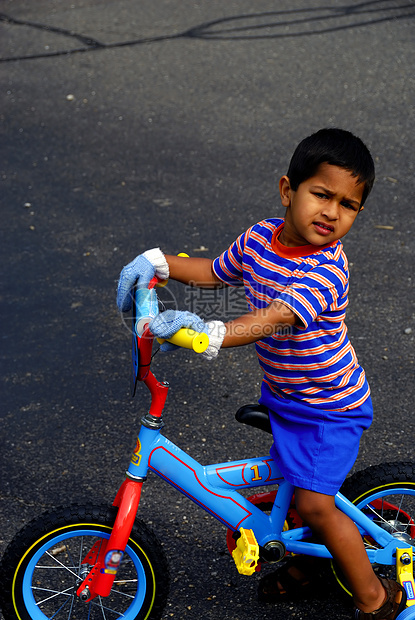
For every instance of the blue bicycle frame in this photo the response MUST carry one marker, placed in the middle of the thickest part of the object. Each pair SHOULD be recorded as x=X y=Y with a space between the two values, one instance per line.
x=215 y=488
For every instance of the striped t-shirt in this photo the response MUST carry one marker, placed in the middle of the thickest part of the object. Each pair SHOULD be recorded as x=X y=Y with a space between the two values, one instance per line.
x=314 y=361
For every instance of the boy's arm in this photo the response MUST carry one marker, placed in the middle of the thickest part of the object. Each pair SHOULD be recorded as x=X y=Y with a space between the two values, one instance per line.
x=247 y=328
x=260 y=323
x=244 y=330
x=194 y=271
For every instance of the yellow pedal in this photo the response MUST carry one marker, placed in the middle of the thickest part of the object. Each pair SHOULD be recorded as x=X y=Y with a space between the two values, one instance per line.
x=246 y=554
x=405 y=573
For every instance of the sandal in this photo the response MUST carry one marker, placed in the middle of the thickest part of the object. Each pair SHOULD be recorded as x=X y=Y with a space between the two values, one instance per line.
x=293 y=581
x=391 y=608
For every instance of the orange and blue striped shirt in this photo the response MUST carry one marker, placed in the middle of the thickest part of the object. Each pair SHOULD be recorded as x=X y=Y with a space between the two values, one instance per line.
x=314 y=361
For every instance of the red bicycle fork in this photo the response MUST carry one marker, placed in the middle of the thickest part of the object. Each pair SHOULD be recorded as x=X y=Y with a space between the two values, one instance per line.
x=106 y=555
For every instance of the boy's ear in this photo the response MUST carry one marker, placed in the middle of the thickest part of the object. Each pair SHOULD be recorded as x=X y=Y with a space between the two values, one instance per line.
x=285 y=191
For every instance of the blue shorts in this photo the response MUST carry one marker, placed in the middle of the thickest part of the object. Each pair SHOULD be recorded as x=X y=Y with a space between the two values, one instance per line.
x=315 y=448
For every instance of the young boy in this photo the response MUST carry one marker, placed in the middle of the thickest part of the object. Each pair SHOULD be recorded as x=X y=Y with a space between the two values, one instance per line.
x=295 y=276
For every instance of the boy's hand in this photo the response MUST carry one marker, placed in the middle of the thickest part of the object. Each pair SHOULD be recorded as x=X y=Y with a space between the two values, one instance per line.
x=165 y=324
x=142 y=268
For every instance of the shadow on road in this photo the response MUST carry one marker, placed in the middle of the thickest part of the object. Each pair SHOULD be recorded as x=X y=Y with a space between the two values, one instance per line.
x=267 y=25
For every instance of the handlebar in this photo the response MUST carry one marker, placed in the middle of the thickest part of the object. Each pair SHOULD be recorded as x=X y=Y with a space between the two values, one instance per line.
x=145 y=307
x=189 y=339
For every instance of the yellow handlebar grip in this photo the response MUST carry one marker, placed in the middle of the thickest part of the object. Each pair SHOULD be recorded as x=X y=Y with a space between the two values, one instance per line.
x=161 y=283
x=189 y=339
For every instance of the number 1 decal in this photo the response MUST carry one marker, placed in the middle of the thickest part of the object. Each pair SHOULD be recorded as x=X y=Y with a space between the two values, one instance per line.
x=256 y=476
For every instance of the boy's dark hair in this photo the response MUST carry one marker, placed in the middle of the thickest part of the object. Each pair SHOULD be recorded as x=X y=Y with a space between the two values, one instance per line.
x=336 y=147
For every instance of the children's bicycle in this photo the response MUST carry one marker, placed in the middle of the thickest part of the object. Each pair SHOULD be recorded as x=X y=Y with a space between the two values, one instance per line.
x=89 y=562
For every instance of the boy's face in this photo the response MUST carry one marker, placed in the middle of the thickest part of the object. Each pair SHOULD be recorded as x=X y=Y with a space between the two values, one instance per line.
x=322 y=209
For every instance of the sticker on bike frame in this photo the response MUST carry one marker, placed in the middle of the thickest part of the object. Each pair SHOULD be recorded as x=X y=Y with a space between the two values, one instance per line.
x=112 y=561
x=409 y=590
x=136 y=457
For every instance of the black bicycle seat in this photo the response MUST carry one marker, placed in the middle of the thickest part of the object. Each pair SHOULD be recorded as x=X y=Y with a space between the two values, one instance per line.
x=256 y=416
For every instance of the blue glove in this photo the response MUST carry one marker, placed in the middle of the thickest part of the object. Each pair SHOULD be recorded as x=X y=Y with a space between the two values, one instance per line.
x=167 y=323
x=143 y=268
x=139 y=269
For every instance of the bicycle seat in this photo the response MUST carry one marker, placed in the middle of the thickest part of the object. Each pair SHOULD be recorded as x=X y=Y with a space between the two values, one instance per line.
x=256 y=416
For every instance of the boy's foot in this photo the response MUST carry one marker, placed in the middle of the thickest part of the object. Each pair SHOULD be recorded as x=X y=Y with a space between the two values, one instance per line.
x=393 y=605
x=294 y=580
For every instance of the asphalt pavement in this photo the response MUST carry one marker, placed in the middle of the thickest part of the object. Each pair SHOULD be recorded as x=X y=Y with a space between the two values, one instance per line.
x=128 y=125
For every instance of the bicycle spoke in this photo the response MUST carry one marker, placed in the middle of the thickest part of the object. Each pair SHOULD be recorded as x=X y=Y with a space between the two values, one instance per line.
x=55 y=593
x=60 y=609
x=81 y=553
x=103 y=609
x=399 y=510
x=67 y=568
x=123 y=593
x=49 y=567
x=71 y=608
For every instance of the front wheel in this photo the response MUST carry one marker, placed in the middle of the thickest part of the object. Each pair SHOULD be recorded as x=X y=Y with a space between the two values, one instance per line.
x=386 y=494
x=45 y=563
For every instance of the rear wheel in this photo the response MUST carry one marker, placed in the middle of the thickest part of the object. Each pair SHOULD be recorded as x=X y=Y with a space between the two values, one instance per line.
x=386 y=494
x=46 y=562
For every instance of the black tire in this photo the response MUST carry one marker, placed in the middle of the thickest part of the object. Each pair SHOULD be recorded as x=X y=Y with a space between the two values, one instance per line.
x=387 y=493
x=44 y=561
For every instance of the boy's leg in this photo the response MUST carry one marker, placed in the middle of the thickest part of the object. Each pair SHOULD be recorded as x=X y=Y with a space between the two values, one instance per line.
x=342 y=538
